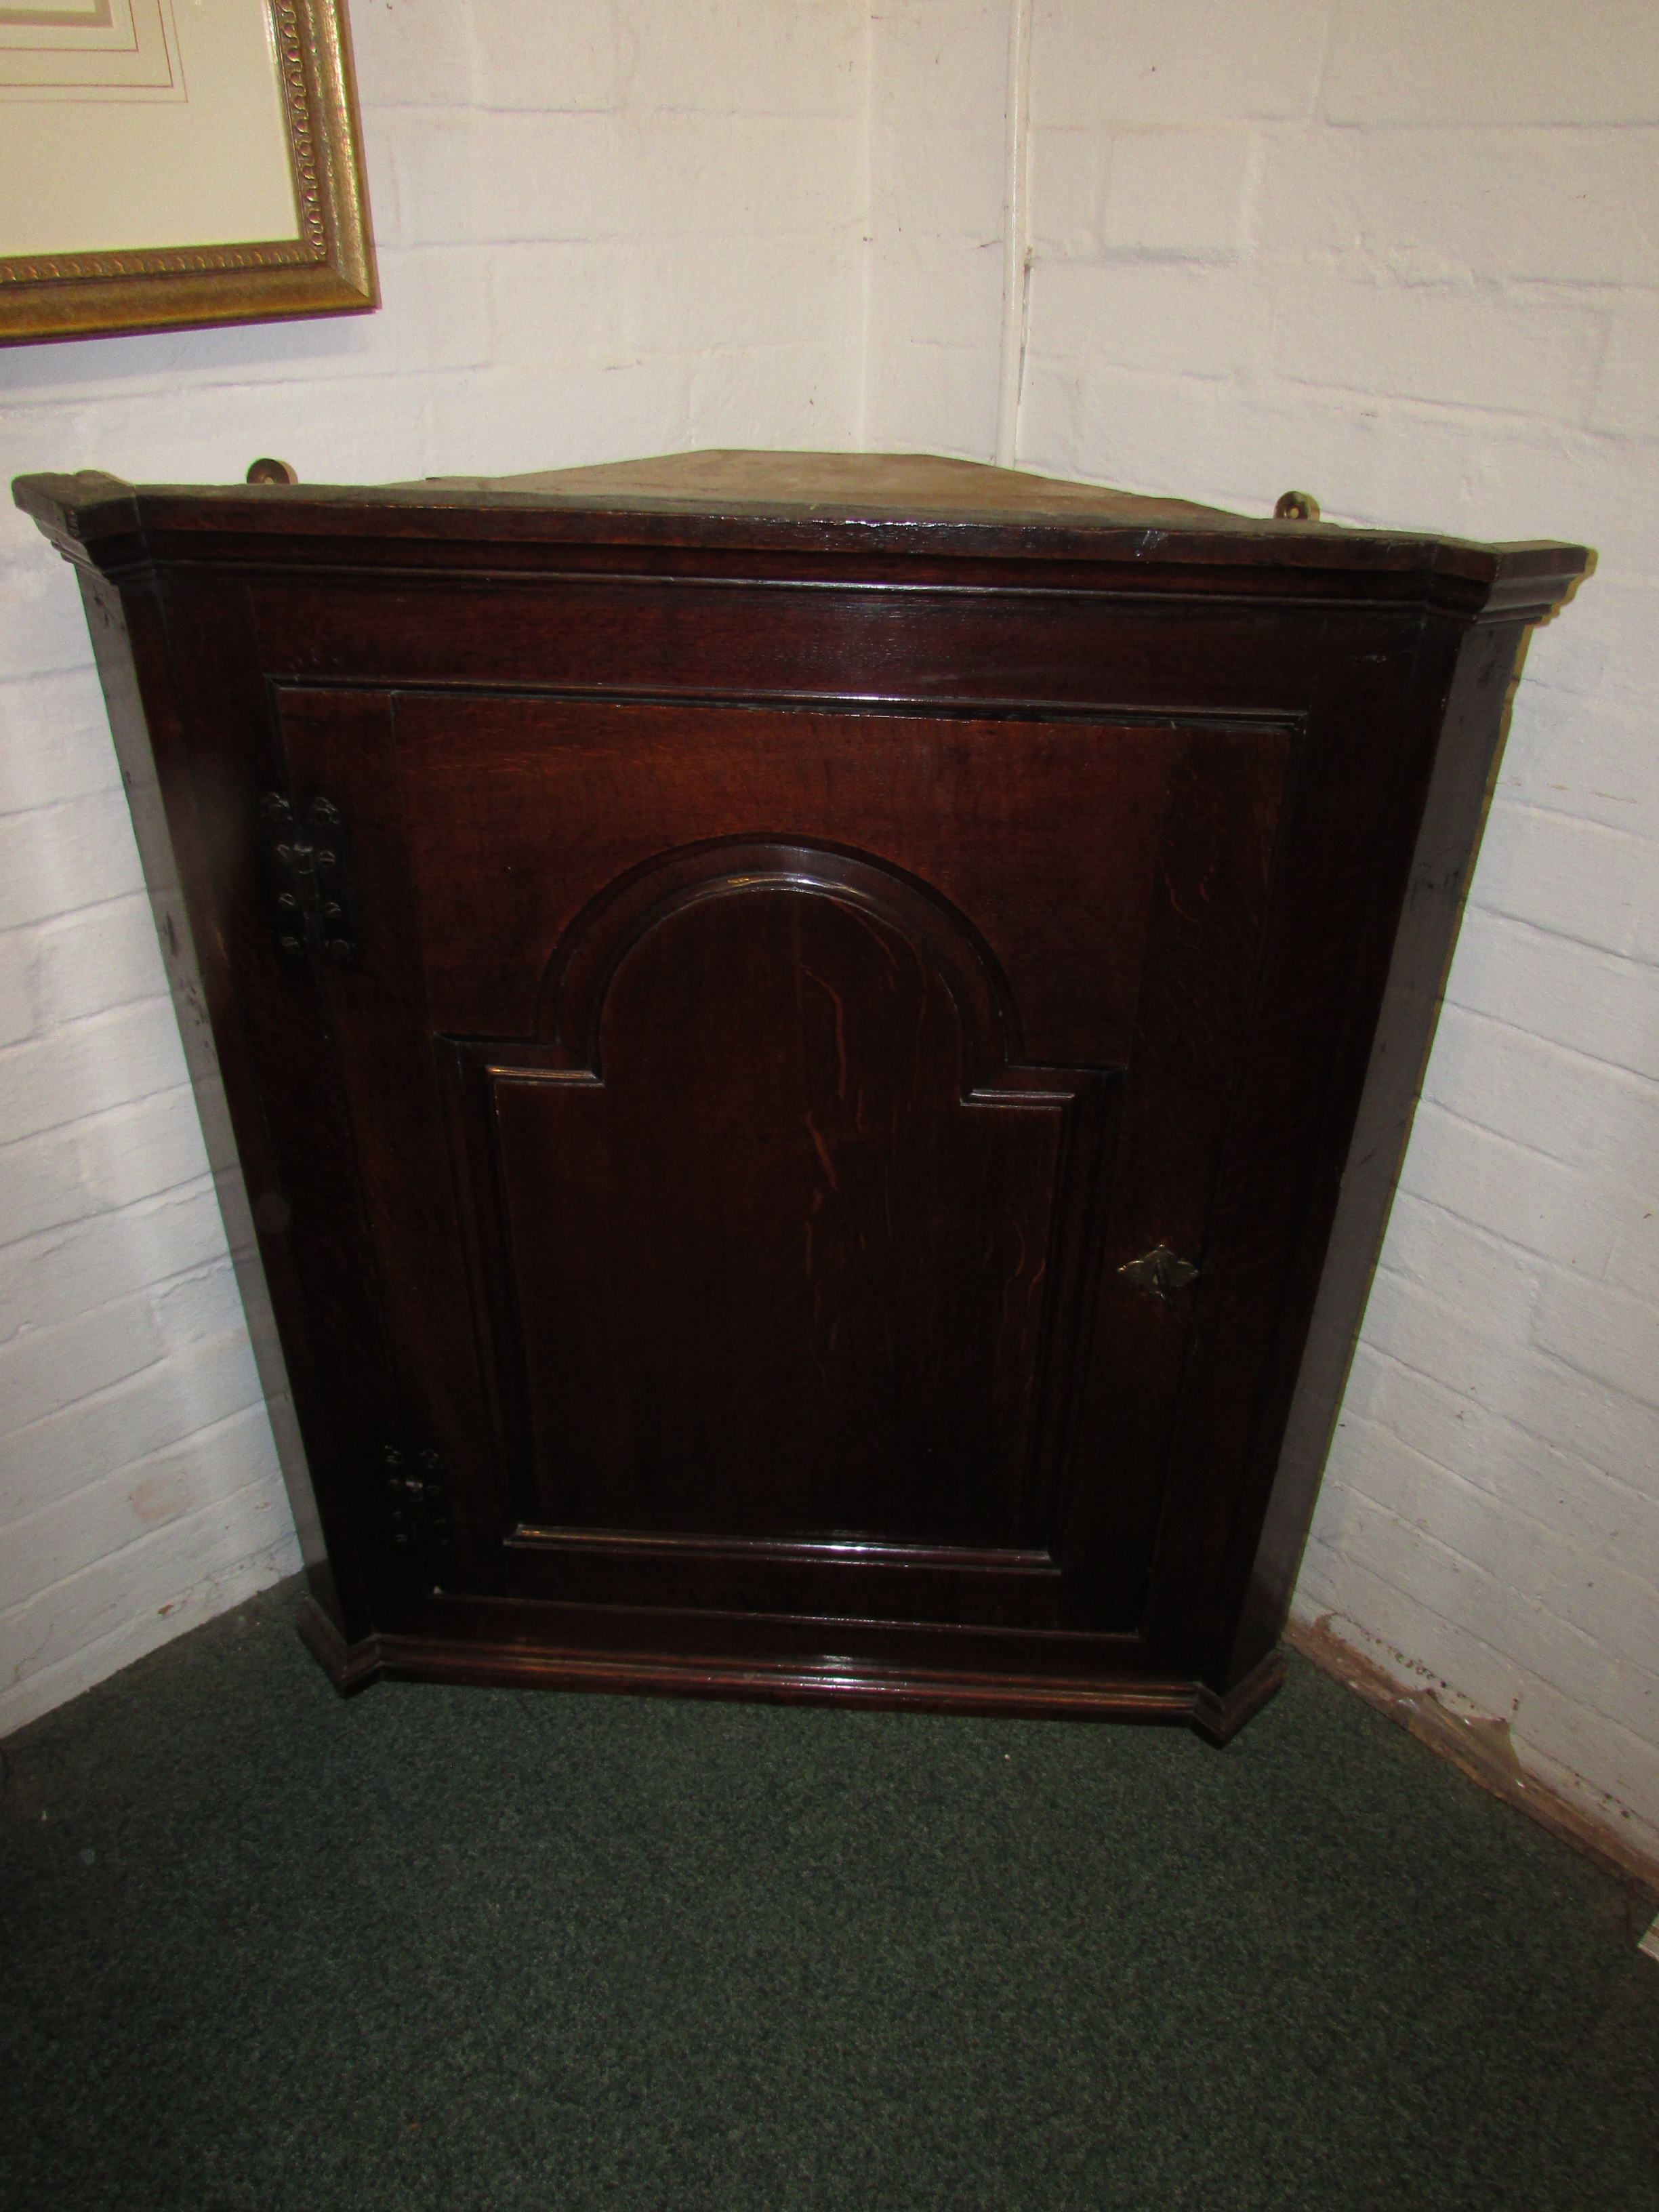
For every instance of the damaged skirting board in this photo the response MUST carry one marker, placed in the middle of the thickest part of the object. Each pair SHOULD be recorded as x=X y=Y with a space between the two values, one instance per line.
x=1481 y=1749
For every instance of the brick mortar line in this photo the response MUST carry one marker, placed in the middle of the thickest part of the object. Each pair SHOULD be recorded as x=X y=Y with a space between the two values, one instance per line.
x=1582 y=1469
x=1581 y=1702
x=1506 y=1505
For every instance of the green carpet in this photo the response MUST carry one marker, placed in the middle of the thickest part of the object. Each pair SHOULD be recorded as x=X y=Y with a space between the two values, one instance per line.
x=475 y=1950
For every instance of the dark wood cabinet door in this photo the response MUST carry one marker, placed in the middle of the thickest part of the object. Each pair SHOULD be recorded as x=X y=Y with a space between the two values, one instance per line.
x=754 y=1112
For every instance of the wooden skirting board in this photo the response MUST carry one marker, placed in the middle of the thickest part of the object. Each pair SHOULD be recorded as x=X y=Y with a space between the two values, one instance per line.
x=1482 y=1750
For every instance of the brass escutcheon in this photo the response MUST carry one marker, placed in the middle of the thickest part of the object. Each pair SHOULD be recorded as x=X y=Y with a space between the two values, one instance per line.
x=1160 y=1270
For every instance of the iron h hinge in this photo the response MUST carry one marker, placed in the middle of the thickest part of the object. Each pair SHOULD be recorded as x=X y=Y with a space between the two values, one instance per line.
x=419 y=1503
x=313 y=893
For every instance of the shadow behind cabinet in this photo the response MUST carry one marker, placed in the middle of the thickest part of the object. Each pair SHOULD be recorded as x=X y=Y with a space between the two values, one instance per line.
x=816 y=1047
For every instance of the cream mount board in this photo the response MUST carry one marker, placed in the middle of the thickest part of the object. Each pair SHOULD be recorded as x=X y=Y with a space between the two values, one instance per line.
x=169 y=162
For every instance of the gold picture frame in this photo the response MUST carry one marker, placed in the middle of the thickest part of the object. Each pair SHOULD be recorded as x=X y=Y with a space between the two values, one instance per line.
x=327 y=268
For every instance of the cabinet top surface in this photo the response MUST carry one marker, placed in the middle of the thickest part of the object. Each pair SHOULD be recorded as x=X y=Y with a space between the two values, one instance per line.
x=874 y=487
x=832 y=503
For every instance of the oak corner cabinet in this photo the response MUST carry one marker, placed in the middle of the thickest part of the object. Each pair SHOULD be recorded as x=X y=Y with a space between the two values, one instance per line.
x=805 y=1055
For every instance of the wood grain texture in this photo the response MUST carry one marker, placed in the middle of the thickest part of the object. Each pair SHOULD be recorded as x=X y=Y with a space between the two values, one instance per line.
x=820 y=921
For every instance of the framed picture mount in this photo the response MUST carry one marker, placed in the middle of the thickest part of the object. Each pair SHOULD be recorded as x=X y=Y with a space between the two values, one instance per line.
x=165 y=164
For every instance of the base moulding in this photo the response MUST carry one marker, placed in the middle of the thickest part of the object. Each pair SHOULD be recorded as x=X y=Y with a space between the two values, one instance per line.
x=354 y=1666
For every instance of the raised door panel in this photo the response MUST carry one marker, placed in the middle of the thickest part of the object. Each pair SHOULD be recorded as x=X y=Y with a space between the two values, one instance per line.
x=778 y=1249
x=805 y=1082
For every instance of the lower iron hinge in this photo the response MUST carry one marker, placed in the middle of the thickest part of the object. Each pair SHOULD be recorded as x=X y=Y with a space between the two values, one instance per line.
x=419 y=1503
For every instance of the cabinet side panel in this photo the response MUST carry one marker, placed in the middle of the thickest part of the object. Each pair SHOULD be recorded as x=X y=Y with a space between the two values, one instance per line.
x=1341 y=863
x=218 y=750
x=1487 y=670
x=120 y=634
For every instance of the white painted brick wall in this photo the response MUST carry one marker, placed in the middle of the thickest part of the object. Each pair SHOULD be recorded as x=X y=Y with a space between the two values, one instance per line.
x=1175 y=195
x=1405 y=252
x=605 y=227
x=938 y=72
